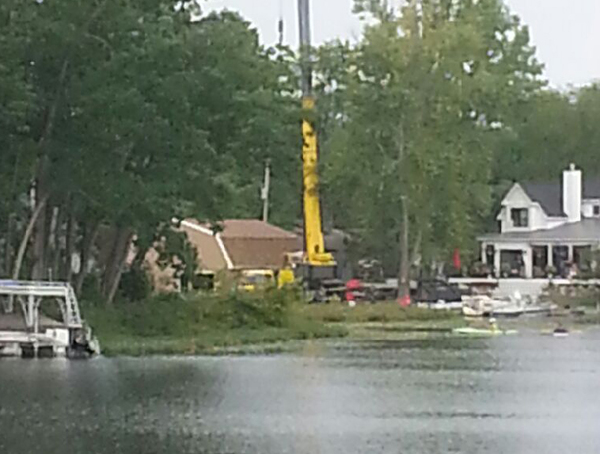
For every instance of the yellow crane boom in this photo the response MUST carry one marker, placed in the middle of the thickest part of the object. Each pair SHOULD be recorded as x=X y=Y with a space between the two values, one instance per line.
x=315 y=254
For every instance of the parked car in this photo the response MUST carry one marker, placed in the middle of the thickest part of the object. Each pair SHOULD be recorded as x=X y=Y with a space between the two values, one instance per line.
x=434 y=291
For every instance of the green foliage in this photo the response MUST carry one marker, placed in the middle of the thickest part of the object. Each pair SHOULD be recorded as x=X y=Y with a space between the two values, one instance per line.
x=193 y=314
x=135 y=285
x=420 y=109
x=125 y=114
x=548 y=132
x=200 y=323
x=373 y=313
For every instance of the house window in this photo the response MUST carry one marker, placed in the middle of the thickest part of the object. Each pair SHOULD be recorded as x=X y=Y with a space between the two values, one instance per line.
x=520 y=217
x=596 y=210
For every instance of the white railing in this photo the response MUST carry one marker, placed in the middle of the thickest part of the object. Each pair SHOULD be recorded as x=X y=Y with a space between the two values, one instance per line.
x=30 y=295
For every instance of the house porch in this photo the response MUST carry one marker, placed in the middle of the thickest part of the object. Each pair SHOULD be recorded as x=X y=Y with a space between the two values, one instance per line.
x=536 y=260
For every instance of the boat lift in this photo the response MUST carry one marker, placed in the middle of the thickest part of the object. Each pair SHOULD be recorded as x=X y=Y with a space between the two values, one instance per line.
x=30 y=294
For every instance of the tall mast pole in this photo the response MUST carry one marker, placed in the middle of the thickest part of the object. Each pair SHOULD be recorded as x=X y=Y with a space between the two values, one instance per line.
x=315 y=255
x=266 y=189
x=305 y=43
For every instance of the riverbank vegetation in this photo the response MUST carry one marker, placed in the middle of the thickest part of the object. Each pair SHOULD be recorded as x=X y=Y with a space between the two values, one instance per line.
x=389 y=312
x=204 y=323
x=267 y=321
x=584 y=297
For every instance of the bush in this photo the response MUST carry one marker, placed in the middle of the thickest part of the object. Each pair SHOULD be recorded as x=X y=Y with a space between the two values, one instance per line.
x=135 y=285
x=175 y=315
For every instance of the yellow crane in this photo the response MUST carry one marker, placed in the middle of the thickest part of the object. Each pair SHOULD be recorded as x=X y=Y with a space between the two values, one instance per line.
x=318 y=263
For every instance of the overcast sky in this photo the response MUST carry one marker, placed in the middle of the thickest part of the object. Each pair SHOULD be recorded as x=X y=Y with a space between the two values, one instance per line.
x=565 y=32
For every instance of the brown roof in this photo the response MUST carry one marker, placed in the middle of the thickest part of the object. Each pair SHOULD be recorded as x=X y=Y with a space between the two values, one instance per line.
x=210 y=256
x=253 y=228
x=249 y=243
x=248 y=253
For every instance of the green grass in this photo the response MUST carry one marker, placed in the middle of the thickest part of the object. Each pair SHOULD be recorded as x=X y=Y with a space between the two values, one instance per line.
x=263 y=322
x=204 y=323
x=370 y=313
x=267 y=340
x=586 y=297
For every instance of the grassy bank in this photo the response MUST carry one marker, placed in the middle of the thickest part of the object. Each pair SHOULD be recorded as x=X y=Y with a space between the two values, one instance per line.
x=384 y=320
x=205 y=324
x=245 y=322
x=375 y=313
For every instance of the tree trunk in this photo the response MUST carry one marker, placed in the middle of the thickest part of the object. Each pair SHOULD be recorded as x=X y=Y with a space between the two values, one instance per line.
x=40 y=240
x=66 y=273
x=415 y=258
x=107 y=255
x=115 y=264
x=28 y=231
x=114 y=286
x=55 y=240
x=404 y=270
x=8 y=251
x=90 y=233
x=140 y=258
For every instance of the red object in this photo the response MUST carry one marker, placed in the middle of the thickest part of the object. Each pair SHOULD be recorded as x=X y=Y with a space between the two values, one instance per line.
x=353 y=284
x=404 y=301
x=456 y=259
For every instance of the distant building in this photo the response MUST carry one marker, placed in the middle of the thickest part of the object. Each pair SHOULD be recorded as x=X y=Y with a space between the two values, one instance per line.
x=241 y=244
x=237 y=244
x=546 y=228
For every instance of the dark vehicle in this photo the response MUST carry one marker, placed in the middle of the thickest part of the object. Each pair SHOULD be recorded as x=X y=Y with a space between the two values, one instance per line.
x=435 y=290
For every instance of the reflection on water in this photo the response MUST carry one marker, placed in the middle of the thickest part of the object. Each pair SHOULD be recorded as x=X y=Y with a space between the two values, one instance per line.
x=528 y=394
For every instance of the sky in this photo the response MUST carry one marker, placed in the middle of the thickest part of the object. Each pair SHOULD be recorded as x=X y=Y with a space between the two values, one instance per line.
x=566 y=33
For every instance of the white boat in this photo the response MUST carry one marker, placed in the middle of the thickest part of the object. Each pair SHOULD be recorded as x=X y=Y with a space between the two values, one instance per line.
x=516 y=305
x=483 y=332
x=444 y=306
x=543 y=308
x=482 y=305
x=508 y=311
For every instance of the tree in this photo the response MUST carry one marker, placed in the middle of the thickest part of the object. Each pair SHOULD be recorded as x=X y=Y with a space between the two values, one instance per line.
x=548 y=132
x=117 y=116
x=429 y=93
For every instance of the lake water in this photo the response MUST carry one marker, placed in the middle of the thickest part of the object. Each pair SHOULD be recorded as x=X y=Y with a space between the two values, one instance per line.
x=523 y=394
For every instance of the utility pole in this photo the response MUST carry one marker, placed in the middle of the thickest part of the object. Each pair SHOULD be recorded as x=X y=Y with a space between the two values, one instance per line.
x=265 y=191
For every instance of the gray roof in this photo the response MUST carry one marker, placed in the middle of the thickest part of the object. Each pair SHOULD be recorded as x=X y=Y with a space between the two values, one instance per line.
x=591 y=188
x=586 y=231
x=549 y=194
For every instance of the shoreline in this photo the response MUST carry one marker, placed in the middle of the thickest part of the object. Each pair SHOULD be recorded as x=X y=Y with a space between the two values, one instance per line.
x=277 y=322
x=302 y=323
x=277 y=341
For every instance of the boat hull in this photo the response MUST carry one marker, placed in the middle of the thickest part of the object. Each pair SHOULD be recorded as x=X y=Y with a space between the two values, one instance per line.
x=482 y=332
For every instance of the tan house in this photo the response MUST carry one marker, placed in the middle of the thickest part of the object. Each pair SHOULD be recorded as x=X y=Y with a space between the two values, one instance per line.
x=237 y=244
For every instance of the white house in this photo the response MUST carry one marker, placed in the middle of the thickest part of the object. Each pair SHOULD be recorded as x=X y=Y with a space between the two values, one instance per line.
x=545 y=227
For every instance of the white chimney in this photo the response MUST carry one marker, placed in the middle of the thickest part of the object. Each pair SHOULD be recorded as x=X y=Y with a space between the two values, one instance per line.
x=572 y=193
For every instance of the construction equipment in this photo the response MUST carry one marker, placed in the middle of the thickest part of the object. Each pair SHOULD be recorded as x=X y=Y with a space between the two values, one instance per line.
x=317 y=263
x=254 y=280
